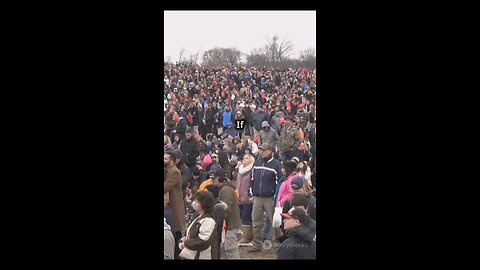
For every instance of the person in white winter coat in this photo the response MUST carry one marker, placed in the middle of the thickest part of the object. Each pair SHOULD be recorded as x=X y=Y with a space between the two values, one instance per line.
x=201 y=232
x=304 y=170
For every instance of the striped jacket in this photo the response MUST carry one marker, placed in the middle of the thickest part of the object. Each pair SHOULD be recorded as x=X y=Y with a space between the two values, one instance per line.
x=265 y=175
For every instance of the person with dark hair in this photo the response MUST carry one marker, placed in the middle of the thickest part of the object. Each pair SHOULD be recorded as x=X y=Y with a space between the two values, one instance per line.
x=248 y=120
x=206 y=119
x=170 y=123
x=198 y=178
x=222 y=158
x=184 y=171
x=230 y=130
x=176 y=141
x=180 y=127
x=286 y=192
x=239 y=148
x=214 y=165
x=201 y=231
x=288 y=171
x=195 y=113
x=173 y=185
x=240 y=116
x=219 y=215
x=258 y=117
x=190 y=149
x=228 y=195
x=298 y=186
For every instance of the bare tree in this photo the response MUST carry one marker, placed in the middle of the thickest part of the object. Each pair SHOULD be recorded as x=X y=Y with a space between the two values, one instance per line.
x=307 y=54
x=277 y=51
x=222 y=56
x=232 y=56
x=308 y=58
x=194 y=57
x=257 y=57
x=167 y=59
x=182 y=52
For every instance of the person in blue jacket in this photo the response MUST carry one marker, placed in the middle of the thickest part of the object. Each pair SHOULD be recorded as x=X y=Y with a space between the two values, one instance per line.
x=227 y=117
x=266 y=173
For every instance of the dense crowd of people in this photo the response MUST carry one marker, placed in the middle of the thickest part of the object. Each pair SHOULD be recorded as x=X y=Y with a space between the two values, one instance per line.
x=230 y=185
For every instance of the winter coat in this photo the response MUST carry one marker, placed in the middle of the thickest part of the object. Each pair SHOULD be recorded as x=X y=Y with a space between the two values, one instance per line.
x=231 y=131
x=286 y=191
x=227 y=119
x=206 y=115
x=290 y=139
x=300 y=244
x=265 y=175
x=195 y=116
x=248 y=116
x=240 y=117
x=258 y=118
x=181 y=127
x=277 y=189
x=271 y=137
x=173 y=184
x=199 y=238
x=219 y=209
x=190 y=151
x=223 y=159
x=243 y=183
x=228 y=195
x=170 y=122
x=185 y=174
x=213 y=167
x=304 y=119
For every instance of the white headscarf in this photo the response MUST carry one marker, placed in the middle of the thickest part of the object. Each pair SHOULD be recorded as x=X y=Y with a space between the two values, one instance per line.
x=165 y=225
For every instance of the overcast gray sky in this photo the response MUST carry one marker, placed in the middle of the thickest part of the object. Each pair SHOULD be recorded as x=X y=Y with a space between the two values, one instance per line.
x=246 y=30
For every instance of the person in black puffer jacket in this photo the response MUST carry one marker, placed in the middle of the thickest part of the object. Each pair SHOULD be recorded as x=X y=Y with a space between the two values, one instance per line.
x=190 y=149
x=299 y=242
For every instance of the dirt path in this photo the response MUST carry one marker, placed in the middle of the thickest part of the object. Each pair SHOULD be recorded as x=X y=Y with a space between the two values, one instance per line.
x=270 y=254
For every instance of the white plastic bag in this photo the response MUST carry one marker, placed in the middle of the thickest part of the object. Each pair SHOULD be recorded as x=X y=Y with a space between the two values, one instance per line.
x=277 y=218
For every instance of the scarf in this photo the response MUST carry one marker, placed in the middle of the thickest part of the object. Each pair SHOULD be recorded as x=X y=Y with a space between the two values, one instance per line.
x=242 y=169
